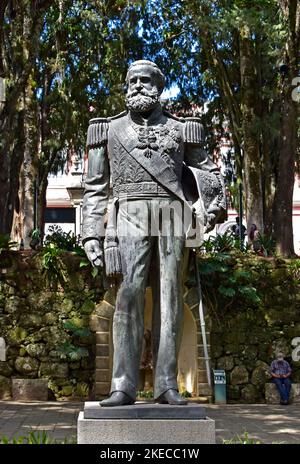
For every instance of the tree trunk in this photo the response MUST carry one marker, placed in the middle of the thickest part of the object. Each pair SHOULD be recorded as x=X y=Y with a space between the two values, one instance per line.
x=41 y=206
x=11 y=159
x=283 y=206
x=23 y=32
x=23 y=222
x=250 y=135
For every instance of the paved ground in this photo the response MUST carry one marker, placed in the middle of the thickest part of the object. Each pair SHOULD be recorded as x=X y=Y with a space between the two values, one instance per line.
x=267 y=423
x=263 y=422
x=59 y=420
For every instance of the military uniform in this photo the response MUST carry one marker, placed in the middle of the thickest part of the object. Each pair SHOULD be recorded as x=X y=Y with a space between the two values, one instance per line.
x=149 y=168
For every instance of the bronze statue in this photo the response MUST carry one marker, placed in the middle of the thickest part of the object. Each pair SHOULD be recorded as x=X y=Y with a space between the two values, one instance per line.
x=154 y=160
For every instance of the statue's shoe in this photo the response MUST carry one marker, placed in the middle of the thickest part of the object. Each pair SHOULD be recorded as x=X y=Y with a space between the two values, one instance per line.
x=117 y=398
x=171 y=397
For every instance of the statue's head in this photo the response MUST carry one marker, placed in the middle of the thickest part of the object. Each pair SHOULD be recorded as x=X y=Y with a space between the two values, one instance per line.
x=145 y=83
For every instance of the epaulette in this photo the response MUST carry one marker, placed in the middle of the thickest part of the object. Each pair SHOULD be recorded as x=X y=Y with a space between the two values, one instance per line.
x=97 y=135
x=120 y=115
x=97 y=132
x=193 y=130
x=172 y=116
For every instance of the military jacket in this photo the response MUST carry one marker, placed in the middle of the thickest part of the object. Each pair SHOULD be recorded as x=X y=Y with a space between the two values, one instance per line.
x=138 y=161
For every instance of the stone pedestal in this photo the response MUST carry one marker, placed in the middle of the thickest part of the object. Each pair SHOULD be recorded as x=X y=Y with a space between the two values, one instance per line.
x=145 y=423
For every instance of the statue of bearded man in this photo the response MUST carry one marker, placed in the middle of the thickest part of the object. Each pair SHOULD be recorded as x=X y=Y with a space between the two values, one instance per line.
x=154 y=160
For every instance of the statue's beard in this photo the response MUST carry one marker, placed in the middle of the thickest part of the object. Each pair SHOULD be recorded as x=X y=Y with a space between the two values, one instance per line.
x=142 y=101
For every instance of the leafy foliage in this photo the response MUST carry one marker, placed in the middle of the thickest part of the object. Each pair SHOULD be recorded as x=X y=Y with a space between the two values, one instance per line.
x=226 y=283
x=66 y=61
x=267 y=244
x=244 y=439
x=226 y=242
x=54 y=270
x=35 y=437
x=295 y=269
x=62 y=240
x=6 y=243
x=69 y=351
x=186 y=394
x=77 y=331
x=56 y=242
x=227 y=55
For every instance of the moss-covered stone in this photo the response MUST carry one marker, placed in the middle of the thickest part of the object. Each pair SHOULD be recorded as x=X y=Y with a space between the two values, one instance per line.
x=66 y=305
x=226 y=363
x=230 y=348
x=88 y=307
x=5 y=369
x=31 y=320
x=5 y=388
x=13 y=305
x=296 y=376
x=27 y=366
x=53 y=336
x=36 y=350
x=22 y=351
x=50 y=318
x=54 y=370
x=260 y=374
x=16 y=336
x=233 y=392
x=239 y=375
x=250 y=393
x=42 y=300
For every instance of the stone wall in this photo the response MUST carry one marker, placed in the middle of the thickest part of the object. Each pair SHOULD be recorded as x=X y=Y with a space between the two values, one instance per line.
x=45 y=324
x=55 y=328
x=255 y=311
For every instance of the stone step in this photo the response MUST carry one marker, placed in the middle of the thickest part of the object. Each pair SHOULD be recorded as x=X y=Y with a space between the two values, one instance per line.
x=102 y=362
x=102 y=389
x=103 y=375
x=102 y=338
x=102 y=350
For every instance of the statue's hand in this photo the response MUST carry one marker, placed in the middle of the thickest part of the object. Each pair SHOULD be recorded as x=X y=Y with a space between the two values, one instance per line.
x=94 y=252
x=211 y=217
x=210 y=222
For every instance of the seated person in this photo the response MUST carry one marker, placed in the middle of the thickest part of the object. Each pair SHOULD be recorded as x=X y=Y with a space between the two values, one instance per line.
x=236 y=229
x=281 y=372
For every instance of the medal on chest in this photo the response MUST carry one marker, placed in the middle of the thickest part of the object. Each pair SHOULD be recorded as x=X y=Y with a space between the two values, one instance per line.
x=163 y=139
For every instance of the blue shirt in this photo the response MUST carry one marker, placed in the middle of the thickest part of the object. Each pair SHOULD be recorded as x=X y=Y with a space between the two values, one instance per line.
x=280 y=367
